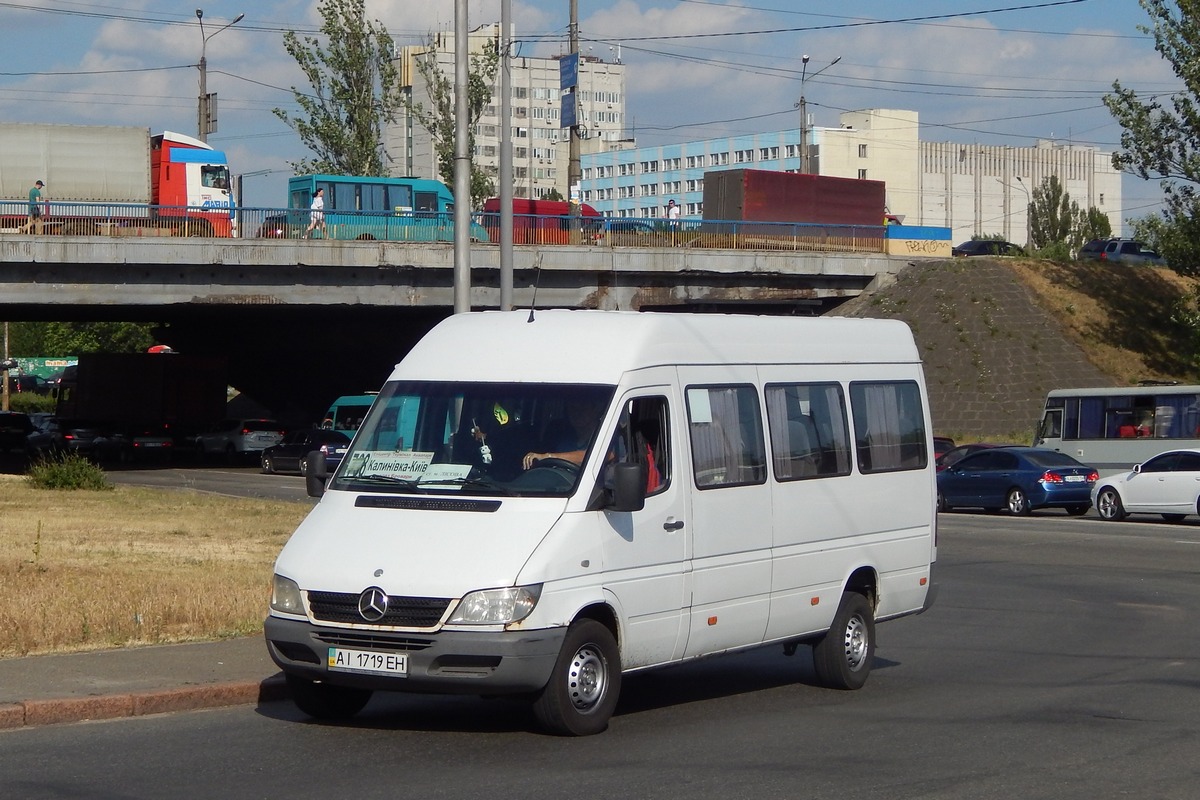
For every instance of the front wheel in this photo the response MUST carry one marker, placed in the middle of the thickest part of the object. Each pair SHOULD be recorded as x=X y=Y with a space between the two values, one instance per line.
x=1018 y=502
x=1108 y=505
x=324 y=701
x=582 y=692
x=268 y=466
x=842 y=658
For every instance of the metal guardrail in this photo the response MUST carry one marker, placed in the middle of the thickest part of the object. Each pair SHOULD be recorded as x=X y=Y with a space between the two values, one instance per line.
x=122 y=219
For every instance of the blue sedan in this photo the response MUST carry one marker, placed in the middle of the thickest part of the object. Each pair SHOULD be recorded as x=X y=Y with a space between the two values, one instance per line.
x=1019 y=479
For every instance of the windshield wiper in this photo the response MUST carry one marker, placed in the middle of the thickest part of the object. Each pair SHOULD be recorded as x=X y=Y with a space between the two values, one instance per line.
x=474 y=483
x=391 y=480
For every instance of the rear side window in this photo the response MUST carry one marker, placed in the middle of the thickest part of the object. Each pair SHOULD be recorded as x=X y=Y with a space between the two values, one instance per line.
x=809 y=436
x=889 y=426
x=726 y=435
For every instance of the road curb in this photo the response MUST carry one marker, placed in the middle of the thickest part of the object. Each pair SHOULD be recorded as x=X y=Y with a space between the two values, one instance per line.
x=33 y=713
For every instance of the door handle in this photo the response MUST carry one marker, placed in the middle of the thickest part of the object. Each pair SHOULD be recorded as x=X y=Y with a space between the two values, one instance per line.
x=673 y=524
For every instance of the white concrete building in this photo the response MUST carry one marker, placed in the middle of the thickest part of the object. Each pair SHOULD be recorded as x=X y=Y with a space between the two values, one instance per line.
x=540 y=144
x=972 y=189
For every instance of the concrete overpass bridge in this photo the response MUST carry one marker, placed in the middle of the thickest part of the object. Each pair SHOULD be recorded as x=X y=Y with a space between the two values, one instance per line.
x=304 y=321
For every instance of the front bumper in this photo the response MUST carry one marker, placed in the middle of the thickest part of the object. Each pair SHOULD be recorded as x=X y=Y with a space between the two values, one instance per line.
x=448 y=662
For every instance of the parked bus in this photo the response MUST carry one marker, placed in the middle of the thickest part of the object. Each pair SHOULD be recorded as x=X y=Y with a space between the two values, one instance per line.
x=1112 y=429
x=346 y=413
x=387 y=209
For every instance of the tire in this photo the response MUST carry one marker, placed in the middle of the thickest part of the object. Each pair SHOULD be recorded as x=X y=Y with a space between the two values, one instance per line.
x=1109 y=506
x=230 y=453
x=582 y=692
x=842 y=658
x=1018 y=502
x=1174 y=517
x=942 y=505
x=325 y=701
x=268 y=466
x=302 y=465
x=1077 y=511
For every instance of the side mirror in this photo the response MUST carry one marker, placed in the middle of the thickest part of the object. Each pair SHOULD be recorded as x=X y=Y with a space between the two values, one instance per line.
x=1137 y=468
x=628 y=487
x=315 y=473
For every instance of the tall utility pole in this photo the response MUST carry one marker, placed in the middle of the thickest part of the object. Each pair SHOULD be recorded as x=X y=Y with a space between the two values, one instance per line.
x=506 y=165
x=804 y=155
x=574 y=172
x=462 y=165
x=205 y=116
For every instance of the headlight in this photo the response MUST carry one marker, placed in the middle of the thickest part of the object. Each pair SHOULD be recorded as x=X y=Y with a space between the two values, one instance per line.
x=496 y=606
x=285 y=596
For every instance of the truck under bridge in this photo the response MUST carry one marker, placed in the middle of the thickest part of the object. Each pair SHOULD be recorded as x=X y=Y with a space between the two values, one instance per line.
x=302 y=322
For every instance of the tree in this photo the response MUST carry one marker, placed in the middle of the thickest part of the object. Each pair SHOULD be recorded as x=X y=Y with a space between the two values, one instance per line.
x=1053 y=215
x=1160 y=136
x=355 y=91
x=1094 y=224
x=73 y=338
x=439 y=120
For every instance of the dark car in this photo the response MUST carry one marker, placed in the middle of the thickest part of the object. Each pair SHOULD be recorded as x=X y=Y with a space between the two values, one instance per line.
x=290 y=454
x=15 y=428
x=283 y=226
x=988 y=247
x=942 y=444
x=68 y=436
x=33 y=384
x=1019 y=479
x=954 y=455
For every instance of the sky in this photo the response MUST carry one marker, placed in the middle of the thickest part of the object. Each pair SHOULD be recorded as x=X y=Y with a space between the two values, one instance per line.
x=1006 y=72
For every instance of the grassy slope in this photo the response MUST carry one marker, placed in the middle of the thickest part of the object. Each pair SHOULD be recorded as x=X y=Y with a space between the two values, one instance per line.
x=996 y=334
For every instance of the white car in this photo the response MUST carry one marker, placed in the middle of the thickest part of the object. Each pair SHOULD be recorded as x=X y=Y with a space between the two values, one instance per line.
x=1168 y=484
x=234 y=437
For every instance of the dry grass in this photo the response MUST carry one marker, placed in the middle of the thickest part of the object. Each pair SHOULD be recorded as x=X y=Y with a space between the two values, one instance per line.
x=92 y=570
x=1119 y=315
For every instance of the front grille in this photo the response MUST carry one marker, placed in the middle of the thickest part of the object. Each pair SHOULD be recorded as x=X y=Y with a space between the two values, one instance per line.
x=367 y=641
x=402 y=612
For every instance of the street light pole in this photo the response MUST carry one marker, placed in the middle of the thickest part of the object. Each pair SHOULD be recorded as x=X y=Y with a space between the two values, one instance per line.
x=202 y=109
x=804 y=159
x=1029 y=202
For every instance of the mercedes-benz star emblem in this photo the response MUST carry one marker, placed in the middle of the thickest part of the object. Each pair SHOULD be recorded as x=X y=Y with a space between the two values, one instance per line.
x=372 y=604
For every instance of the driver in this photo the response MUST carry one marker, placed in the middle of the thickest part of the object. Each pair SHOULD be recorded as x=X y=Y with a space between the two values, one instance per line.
x=583 y=418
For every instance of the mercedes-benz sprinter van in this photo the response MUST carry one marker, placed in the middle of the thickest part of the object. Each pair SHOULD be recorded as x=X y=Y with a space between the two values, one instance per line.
x=540 y=505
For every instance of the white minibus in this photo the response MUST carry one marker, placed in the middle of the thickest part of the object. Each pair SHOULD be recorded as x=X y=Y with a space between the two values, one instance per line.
x=540 y=504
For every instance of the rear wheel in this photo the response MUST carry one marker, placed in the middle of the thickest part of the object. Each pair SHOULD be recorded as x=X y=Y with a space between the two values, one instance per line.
x=842 y=658
x=582 y=692
x=942 y=505
x=324 y=701
x=1108 y=505
x=1018 y=501
x=1077 y=511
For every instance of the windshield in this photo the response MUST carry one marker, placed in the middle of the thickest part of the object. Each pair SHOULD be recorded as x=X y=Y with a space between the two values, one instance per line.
x=523 y=439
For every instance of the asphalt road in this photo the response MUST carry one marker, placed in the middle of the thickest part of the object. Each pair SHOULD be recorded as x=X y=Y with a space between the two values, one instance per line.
x=1061 y=660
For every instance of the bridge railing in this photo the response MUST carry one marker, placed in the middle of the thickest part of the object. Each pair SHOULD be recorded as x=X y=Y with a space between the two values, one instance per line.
x=124 y=219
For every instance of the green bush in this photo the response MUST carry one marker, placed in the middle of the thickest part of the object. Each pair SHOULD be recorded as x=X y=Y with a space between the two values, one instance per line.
x=29 y=403
x=67 y=471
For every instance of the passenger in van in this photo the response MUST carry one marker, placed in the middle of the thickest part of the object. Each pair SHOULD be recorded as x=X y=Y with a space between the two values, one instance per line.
x=570 y=442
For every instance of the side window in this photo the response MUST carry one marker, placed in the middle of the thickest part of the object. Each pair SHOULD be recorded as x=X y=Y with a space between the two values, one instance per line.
x=1164 y=463
x=400 y=199
x=643 y=437
x=889 y=426
x=1005 y=460
x=809 y=438
x=427 y=202
x=726 y=434
x=345 y=197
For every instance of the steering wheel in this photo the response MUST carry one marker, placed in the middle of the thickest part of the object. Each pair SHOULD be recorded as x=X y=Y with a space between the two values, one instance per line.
x=556 y=463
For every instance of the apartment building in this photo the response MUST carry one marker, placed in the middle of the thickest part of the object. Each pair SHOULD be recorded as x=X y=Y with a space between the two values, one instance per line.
x=540 y=144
